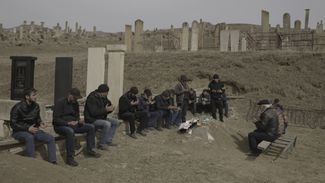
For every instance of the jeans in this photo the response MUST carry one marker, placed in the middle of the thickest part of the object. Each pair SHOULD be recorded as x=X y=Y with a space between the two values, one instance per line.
x=254 y=138
x=175 y=117
x=153 y=118
x=108 y=128
x=41 y=136
x=141 y=116
x=69 y=131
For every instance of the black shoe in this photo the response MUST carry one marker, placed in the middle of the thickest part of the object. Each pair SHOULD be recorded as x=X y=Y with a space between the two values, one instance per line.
x=159 y=129
x=141 y=133
x=132 y=135
x=111 y=144
x=103 y=147
x=54 y=163
x=72 y=162
x=93 y=154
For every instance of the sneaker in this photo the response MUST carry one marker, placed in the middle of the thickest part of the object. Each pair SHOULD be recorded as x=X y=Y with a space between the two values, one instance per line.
x=93 y=154
x=72 y=162
x=111 y=144
x=221 y=120
x=103 y=147
x=54 y=163
x=141 y=133
x=132 y=135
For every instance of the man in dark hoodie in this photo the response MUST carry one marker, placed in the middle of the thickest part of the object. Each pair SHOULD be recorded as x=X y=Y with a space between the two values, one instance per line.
x=27 y=125
x=67 y=122
x=96 y=110
x=128 y=111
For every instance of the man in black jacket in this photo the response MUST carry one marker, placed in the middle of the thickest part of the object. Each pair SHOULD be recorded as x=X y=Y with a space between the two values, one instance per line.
x=217 y=97
x=67 y=122
x=128 y=111
x=96 y=110
x=182 y=91
x=27 y=125
x=266 y=127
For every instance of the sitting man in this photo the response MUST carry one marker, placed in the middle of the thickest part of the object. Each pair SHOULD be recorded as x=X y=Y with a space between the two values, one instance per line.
x=266 y=127
x=67 y=122
x=96 y=110
x=204 y=102
x=27 y=125
x=128 y=111
x=147 y=104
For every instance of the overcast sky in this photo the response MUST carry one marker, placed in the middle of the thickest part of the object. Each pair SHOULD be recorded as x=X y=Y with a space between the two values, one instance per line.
x=112 y=15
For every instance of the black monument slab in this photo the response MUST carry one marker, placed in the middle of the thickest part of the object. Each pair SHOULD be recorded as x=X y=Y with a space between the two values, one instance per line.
x=22 y=75
x=63 y=77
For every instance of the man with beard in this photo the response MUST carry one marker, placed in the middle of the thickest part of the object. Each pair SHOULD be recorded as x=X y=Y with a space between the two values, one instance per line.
x=28 y=127
x=67 y=122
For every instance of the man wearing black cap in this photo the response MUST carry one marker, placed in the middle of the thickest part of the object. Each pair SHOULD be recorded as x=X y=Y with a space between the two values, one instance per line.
x=217 y=97
x=27 y=125
x=182 y=95
x=128 y=111
x=266 y=127
x=96 y=110
x=67 y=122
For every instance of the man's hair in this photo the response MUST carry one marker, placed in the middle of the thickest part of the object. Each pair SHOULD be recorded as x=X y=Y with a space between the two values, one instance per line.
x=29 y=91
x=134 y=90
x=147 y=92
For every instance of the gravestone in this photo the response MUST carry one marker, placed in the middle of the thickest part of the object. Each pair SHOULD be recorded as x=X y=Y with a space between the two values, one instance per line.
x=138 y=36
x=243 y=44
x=95 y=68
x=297 y=25
x=234 y=40
x=185 y=34
x=63 y=77
x=265 y=21
x=306 y=19
x=22 y=75
x=195 y=36
x=286 y=22
x=128 y=38
x=115 y=72
x=224 y=40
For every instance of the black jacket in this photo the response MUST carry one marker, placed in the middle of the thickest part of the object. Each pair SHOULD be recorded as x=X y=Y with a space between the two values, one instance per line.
x=95 y=107
x=22 y=116
x=213 y=85
x=268 y=122
x=65 y=111
x=124 y=104
x=161 y=103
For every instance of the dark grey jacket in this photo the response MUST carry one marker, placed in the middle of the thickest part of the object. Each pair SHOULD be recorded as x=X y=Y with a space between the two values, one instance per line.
x=268 y=122
x=182 y=92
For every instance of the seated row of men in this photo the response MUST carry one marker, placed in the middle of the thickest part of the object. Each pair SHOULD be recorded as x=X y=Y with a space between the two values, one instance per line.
x=165 y=110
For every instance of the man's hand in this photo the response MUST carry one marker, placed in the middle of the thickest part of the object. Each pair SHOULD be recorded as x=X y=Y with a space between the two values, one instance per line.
x=72 y=123
x=213 y=91
x=43 y=125
x=134 y=102
x=32 y=129
x=81 y=121
x=110 y=108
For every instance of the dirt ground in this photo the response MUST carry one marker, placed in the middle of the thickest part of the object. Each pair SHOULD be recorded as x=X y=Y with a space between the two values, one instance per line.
x=296 y=78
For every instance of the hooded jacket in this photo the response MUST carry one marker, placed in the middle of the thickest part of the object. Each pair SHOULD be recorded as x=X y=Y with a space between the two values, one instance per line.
x=95 y=107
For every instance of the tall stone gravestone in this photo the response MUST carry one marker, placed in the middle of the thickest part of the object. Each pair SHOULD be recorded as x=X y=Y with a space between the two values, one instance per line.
x=22 y=75
x=234 y=40
x=63 y=77
x=195 y=36
x=224 y=40
x=95 y=68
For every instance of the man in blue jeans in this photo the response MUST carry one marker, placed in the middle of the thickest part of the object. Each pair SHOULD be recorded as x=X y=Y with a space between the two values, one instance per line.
x=67 y=122
x=27 y=125
x=96 y=110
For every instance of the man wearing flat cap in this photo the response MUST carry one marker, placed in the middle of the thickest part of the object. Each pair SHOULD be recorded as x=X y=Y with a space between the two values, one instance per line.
x=67 y=122
x=266 y=127
x=96 y=112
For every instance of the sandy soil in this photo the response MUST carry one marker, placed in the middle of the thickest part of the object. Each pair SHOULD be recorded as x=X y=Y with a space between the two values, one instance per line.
x=296 y=78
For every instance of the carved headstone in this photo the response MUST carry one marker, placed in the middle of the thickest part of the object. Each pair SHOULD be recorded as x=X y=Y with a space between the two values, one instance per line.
x=297 y=25
x=195 y=36
x=138 y=39
x=185 y=35
x=286 y=22
x=306 y=19
x=128 y=38
x=265 y=21
x=63 y=77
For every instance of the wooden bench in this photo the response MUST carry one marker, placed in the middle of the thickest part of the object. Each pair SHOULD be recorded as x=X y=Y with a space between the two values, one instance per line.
x=281 y=147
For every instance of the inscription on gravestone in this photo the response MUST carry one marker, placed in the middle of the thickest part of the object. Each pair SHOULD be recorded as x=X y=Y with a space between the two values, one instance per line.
x=22 y=75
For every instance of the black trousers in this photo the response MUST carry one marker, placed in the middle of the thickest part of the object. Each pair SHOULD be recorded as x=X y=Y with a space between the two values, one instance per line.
x=225 y=106
x=217 y=104
x=184 y=107
x=254 y=138
x=141 y=116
